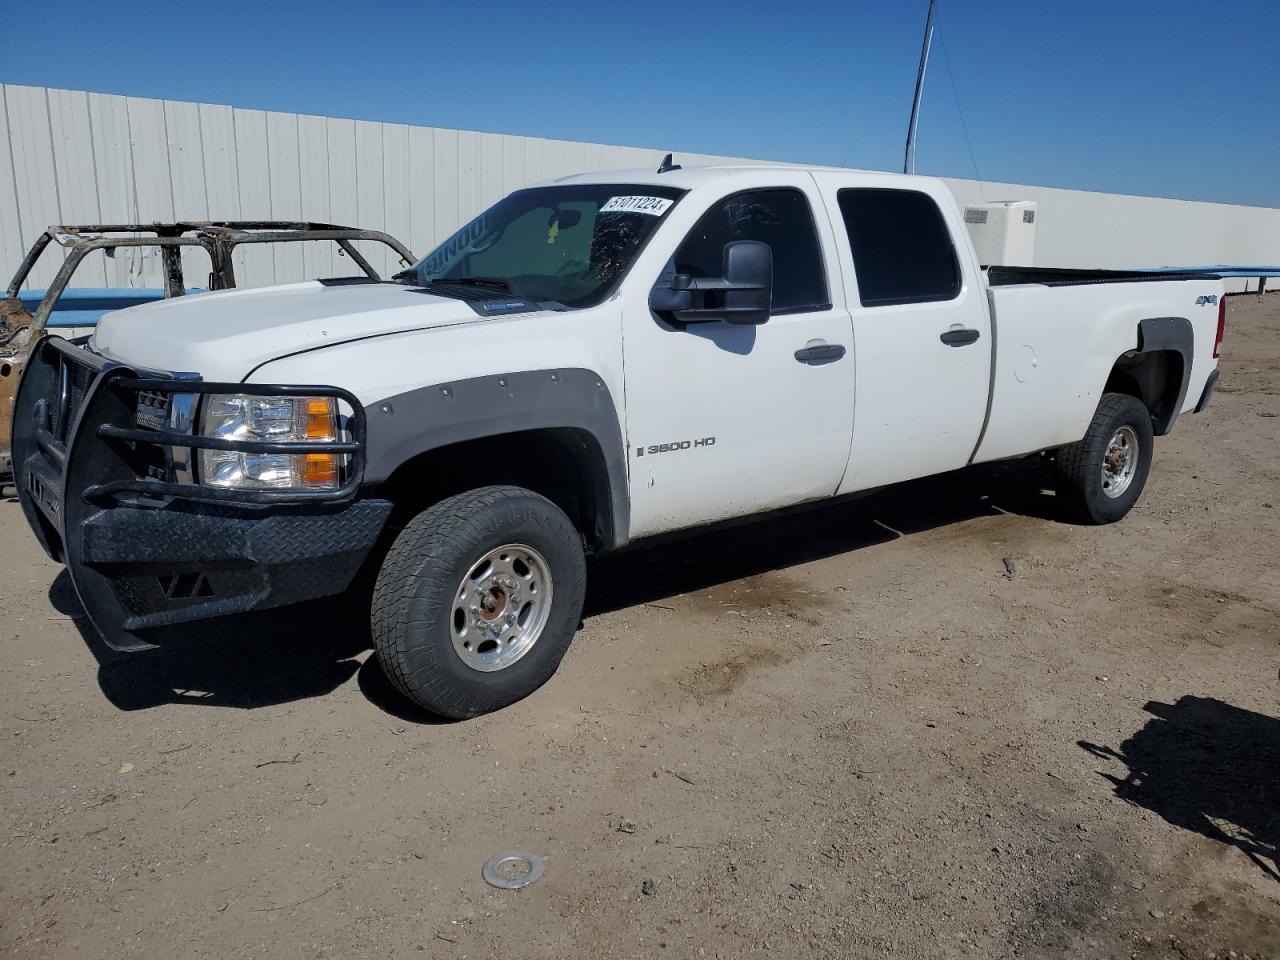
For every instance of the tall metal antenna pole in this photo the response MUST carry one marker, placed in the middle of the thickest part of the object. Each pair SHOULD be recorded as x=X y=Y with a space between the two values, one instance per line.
x=909 y=157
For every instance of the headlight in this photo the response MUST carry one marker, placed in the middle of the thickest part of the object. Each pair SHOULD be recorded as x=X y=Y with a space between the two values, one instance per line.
x=299 y=419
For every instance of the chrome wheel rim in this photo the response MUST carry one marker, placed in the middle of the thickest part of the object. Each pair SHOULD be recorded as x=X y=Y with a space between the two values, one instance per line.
x=1120 y=462
x=501 y=607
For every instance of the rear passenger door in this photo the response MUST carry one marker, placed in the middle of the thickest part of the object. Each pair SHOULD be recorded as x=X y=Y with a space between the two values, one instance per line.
x=921 y=328
x=723 y=419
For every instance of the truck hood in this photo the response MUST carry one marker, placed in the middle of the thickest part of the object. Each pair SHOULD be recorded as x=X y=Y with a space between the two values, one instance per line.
x=225 y=335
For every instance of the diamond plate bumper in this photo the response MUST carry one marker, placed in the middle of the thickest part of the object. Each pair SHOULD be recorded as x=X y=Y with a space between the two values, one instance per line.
x=139 y=568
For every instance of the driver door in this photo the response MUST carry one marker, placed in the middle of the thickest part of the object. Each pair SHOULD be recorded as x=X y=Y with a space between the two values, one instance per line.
x=725 y=420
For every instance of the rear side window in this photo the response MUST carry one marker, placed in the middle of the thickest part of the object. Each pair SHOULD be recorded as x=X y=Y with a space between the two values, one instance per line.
x=902 y=250
x=782 y=219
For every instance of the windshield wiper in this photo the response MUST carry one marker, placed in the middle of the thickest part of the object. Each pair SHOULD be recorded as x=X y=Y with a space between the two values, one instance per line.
x=497 y=282
x=411 y=276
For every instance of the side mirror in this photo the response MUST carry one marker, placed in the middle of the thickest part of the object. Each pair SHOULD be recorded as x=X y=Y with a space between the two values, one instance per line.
x=742 y=294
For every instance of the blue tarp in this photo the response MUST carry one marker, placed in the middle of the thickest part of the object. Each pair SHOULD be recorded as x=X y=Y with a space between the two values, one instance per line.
x=1221 y=269
x=84 y=307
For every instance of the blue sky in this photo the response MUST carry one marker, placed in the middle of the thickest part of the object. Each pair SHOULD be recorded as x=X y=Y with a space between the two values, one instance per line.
x=1166 y=98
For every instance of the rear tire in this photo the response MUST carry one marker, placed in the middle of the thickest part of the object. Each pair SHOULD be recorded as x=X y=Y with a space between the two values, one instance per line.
x=1100 y=478
x=478 y=600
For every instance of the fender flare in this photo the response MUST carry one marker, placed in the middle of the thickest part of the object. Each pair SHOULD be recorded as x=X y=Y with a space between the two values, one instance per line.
x=1174 y=335
x=408 y=424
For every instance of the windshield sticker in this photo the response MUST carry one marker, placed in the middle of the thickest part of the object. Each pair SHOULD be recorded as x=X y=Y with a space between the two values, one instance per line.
x=653 y=206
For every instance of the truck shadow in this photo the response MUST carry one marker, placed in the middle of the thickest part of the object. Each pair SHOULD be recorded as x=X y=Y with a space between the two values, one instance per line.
x=309 y=650
x=254 y=660
x=1210 y=768
x=697 y=560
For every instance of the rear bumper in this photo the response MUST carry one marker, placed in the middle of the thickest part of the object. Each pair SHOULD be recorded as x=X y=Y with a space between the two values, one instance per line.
x=143 y=551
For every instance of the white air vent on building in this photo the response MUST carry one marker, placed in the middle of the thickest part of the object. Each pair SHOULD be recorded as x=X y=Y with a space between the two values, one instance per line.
x=1003 y=232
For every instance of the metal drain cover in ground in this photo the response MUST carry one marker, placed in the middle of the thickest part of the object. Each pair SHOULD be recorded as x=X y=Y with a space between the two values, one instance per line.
x=511 y=871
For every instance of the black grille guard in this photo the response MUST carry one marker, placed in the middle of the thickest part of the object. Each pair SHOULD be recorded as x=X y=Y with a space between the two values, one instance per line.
x=144 y=551
x=64 y=454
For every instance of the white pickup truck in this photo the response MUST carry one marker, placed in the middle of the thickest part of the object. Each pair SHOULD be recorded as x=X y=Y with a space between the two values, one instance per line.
x=589 y=362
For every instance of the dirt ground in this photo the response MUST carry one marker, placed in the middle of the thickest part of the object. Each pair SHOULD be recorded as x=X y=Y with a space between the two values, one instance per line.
x=933 y=723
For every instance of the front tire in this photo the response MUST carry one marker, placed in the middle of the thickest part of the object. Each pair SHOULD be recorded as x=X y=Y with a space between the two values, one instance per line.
x=1100 y=478
x=478 y=600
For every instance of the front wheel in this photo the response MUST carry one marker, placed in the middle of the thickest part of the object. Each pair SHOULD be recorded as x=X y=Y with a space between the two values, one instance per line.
x=478 y=599
x=1101 y=477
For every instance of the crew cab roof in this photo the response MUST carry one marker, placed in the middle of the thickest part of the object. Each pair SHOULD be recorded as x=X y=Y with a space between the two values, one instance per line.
x=688 y=178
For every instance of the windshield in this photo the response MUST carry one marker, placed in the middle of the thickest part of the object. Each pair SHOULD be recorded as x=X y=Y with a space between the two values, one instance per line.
x=569 y=244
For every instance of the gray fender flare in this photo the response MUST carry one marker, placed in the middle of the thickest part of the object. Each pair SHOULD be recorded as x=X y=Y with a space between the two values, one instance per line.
x=408 y=424
x=1175 y=335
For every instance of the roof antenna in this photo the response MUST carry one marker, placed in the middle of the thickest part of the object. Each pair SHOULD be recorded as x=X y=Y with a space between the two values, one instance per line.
x=667 y=166
x=909 y=157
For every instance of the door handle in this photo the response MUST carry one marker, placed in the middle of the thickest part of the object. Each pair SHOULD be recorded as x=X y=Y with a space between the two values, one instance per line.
x=819 y=352
x=960 y=338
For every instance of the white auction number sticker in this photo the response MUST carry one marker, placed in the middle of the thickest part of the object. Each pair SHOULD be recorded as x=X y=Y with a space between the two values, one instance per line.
x=654 y=206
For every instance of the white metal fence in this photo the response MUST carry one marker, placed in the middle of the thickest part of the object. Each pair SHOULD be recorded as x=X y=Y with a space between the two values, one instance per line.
x=70 y=156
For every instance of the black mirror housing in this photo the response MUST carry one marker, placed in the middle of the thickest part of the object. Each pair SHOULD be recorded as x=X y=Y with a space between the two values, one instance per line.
x=742 y=294
x=676 y=296
x=748 y=274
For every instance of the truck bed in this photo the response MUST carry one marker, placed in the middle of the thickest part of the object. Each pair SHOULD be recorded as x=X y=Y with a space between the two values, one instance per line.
x=1054 y=349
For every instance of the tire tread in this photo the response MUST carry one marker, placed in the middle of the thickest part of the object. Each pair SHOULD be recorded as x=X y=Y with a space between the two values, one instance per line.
x=412 y=568
x=1075 y=463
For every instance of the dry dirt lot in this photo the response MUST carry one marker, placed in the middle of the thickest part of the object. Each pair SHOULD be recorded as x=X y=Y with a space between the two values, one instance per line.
x=932 y=723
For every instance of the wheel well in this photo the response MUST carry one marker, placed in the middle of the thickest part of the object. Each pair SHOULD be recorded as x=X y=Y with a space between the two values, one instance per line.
x=1155 y=378
x=565 y=465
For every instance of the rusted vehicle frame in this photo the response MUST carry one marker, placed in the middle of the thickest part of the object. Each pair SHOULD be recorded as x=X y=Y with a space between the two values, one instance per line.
x=20 y=329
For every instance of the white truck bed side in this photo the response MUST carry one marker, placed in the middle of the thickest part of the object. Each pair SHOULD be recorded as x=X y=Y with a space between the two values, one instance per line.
x=1054 y=348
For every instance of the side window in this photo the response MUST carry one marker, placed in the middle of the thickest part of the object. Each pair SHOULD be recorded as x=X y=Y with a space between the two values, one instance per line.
x=902 y=250
x=782 y=219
